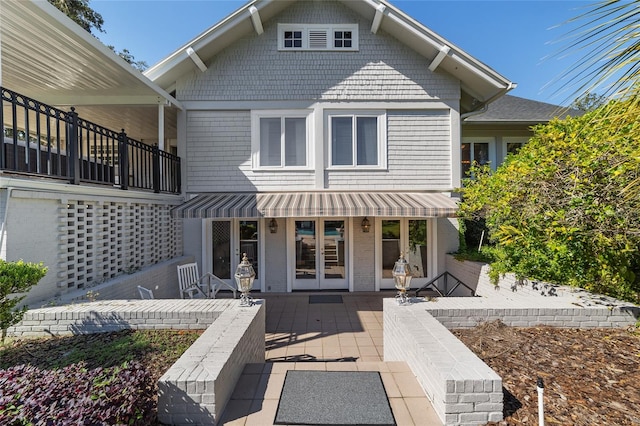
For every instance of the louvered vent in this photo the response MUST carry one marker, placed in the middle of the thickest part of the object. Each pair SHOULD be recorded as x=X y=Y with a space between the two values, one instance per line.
x=317 y=39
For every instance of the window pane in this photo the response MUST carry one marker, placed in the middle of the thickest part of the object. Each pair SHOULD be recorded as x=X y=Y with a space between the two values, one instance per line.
x=513 y=147
x=367 y=134
x=417 y=255
x=249 y=242
x=390 y=246
x=295 y=142
x=481 y=153
x=466 y=159
x=341 y=141
x=270 y=135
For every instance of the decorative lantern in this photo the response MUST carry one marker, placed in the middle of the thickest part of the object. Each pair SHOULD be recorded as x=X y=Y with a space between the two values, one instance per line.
x=366 y=225
x=402 y=279
x=273 y=225
x=244 y=279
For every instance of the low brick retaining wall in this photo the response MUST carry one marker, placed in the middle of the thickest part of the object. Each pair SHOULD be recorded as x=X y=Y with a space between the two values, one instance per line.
x=462 y=388
x=196 y=389
x=115 y=315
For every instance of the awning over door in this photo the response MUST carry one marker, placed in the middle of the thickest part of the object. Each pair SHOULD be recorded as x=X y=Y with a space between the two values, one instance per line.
x=317 y=204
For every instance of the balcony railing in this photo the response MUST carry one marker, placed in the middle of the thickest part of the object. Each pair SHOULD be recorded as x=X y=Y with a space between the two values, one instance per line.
x=45 y=141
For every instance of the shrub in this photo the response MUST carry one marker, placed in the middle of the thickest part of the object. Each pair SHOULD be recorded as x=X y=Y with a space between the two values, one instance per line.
x=16 y=277
x=75 y=395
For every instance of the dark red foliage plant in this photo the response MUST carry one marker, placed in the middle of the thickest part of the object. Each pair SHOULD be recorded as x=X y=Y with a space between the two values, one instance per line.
x=75 y=395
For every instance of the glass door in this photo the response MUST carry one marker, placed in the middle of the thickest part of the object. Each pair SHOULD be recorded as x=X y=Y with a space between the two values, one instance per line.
x=410 y=238
x=320 y=255
x=228 y=240
x=333 y=252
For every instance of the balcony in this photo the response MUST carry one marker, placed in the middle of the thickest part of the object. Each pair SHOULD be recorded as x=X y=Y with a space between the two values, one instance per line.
x=43 y=141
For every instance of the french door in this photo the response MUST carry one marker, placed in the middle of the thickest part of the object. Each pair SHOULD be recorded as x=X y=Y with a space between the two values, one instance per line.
x=226 y=242
x=407 y=236
x=320 y=254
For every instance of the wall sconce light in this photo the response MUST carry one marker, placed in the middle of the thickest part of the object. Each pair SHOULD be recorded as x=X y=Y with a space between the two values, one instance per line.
x=273 y=225
x=366 y=225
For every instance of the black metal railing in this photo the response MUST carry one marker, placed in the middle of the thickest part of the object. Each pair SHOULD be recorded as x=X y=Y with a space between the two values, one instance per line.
x=445 y=291
x=43 y=140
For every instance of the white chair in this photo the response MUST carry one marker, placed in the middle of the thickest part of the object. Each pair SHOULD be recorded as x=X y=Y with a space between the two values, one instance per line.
x=192 y=284
x=145 y=293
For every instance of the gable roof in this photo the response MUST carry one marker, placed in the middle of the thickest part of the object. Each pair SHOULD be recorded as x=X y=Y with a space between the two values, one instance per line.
x=48 y=57
x=480 y=83
x=513 y=110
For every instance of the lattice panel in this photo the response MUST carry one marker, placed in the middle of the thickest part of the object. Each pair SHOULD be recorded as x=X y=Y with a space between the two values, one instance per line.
x=102 y=239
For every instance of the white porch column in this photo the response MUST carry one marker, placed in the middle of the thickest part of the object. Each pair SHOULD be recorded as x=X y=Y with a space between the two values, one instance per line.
x=161 y=125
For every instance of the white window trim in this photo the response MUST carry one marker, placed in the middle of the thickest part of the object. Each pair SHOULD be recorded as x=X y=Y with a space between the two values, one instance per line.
x=256 y=115
x=491 y=141
x=382 y=139
x=306 y=28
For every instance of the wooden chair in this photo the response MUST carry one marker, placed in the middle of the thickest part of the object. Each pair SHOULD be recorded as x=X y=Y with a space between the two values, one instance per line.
x=192 y=284
x=145 y=293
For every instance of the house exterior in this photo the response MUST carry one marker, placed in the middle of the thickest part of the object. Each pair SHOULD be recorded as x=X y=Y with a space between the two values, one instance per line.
x=323 y=139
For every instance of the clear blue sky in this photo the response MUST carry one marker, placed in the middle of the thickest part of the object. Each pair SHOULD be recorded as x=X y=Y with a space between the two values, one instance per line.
x=511 y=36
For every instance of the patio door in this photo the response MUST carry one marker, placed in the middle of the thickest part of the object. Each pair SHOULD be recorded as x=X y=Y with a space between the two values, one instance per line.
x=410 y=237
x=227 y=240
x=320 y=254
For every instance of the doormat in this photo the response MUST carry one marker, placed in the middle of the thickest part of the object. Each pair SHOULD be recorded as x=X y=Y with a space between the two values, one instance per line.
x=323 y=398
x=325 y=298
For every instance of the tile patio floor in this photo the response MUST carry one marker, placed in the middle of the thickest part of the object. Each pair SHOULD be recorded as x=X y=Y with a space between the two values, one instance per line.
x=330 y=337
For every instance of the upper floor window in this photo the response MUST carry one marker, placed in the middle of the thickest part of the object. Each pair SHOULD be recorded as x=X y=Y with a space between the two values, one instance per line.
x=280 y=139
x=318 y=37
x=357 y=140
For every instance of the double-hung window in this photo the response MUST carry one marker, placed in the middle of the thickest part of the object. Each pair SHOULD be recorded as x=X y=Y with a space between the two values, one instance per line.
x=280 y=139
x=357 y=140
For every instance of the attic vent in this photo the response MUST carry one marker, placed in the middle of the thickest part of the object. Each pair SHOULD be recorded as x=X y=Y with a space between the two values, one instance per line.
x=318 y=37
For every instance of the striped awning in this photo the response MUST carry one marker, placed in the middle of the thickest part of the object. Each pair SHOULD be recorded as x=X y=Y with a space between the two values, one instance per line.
x=317 y=204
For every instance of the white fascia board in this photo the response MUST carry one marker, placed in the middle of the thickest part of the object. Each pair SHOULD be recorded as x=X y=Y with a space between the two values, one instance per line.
x=94 y=100
x=65 y=24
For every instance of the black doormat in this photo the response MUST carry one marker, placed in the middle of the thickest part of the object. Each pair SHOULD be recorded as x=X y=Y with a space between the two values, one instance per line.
x=323 y=398
x=325 y=298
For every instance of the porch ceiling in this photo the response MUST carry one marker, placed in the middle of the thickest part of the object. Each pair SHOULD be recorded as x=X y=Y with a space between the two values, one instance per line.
x=46 y=56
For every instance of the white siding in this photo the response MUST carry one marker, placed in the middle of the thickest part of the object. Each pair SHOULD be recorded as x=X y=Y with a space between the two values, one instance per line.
x=219 y=156
x=419 y=156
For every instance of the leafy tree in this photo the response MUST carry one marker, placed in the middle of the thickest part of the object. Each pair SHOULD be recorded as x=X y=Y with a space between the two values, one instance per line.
x=589 y=102
x=81 y=13
x=15 y=278
x=561 y=210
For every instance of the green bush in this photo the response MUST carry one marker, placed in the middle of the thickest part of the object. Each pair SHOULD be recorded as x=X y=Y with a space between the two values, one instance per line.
x=16 y=278
x=566 y=208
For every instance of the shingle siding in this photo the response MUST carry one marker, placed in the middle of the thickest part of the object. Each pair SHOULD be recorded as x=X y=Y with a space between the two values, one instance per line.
x=253 y=69
x=219 y=156
x=419 y=156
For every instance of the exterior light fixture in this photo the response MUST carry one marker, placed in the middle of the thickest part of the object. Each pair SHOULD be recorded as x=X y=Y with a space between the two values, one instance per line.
x=402 y=279
x=244 y=279
x=366 y=225
x=273 y=225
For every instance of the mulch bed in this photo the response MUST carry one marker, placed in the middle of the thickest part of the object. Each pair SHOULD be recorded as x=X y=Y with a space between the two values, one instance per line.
x=591 y=377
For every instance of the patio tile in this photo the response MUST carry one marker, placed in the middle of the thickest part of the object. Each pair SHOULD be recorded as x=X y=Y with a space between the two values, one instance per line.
x=272 y=385
x=390 y=385
x=236 y=412
x=401 y=412
x=342 y=366
x=282 y=367
x=263 y=412
x=398 y=366
x=408 y=385
x=311 y=366
x=421 y=411
x=246 y=386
